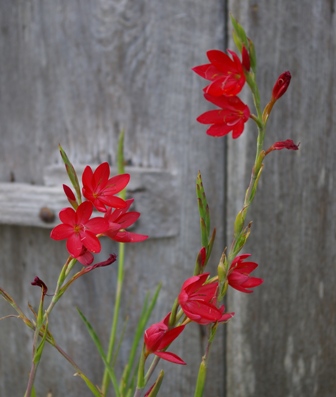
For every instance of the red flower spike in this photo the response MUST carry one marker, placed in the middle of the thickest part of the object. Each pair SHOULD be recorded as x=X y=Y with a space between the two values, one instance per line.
x=79 y=230
x=101 y=190
x=198 y=301
x=226 y=74
x=158 y=337
x=239 y=274
x=281 y=85
x=119 y=220
x=231 y=117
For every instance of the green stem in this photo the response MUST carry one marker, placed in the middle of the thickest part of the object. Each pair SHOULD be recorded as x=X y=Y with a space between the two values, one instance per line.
x=69 y=264
x=201 y=377
x=112 y=341
x=31 y=379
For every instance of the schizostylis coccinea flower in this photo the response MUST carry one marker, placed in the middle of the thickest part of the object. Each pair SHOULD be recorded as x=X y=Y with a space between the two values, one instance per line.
x=198 y=300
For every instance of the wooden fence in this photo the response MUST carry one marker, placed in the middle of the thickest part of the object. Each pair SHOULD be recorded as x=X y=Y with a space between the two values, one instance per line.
x=76 y=73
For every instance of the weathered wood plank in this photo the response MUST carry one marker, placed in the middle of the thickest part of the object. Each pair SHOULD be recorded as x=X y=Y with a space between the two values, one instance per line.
x=154 y=191
x=282 y=340
x=76 y=73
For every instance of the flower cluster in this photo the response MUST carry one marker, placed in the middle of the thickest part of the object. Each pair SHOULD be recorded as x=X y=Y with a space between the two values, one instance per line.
x=81 y=230
x=198 y=300
x=227 y=76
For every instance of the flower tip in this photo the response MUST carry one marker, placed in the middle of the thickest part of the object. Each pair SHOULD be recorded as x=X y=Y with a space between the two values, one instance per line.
x=39 y=283
x=281 y=85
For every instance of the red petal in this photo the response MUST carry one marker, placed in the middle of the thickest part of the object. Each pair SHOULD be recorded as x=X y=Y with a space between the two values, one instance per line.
x=173 y=358
x=194 y=282
x=61 y=232
x=87 y=178
x=68 y=216
x=128 y=237
x=170 y=336
x=85 y=259
x=84 y=212
x=217 y=116
x=111 y=201
x=221 y=61
x=238 y=130
x=128 y=219
x=74 y=245
x=232 y=103
x=218 y=130
x=117 y=183
x=90 y=241
x=100 y=176
x=97 y=225
x=201 y=70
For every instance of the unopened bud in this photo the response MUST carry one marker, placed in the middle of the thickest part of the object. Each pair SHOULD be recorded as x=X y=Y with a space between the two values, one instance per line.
x=281 y=85
x=287 y=144
x=39 y=283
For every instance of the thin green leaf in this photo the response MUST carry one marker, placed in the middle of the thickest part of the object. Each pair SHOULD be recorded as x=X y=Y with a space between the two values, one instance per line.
x=255 y=185
x=201 y=379
x=121 y=160
x=40 y=347
x=210 y=245
x=100 y=350
x=253 y=56
x=146 y=312
x=33 y=392
x=90 y=385
x=203 y=210
x=241 y=240
x=157 y=385
x=239 y=30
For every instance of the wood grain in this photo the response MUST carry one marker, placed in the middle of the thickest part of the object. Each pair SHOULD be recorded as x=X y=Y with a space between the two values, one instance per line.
x=76 y=73
x=282 y=340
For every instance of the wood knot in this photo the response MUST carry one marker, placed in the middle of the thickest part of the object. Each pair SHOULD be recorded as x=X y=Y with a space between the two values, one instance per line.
x=47 y=215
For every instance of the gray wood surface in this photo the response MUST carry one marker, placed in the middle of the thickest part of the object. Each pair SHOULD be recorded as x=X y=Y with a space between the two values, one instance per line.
x=282 y=341
x=76 y=73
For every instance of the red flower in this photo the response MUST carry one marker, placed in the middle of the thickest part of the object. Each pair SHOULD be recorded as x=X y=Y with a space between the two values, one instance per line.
x=79 y=230
x=198 y=301
x=239 y=274
x=119 y=220
x=158 y=337
x=231 y=117
x=281 y=85
x=101 y=190
x=226 y=74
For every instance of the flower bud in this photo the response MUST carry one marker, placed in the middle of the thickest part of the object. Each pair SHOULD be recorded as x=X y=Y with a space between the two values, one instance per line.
x=39 y=283
x=287 y=144
x=246 y=59
x=281 y=85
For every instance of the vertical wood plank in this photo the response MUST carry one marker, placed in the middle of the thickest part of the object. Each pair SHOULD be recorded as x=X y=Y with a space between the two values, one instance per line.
x=282 y=340
x=75 y=73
